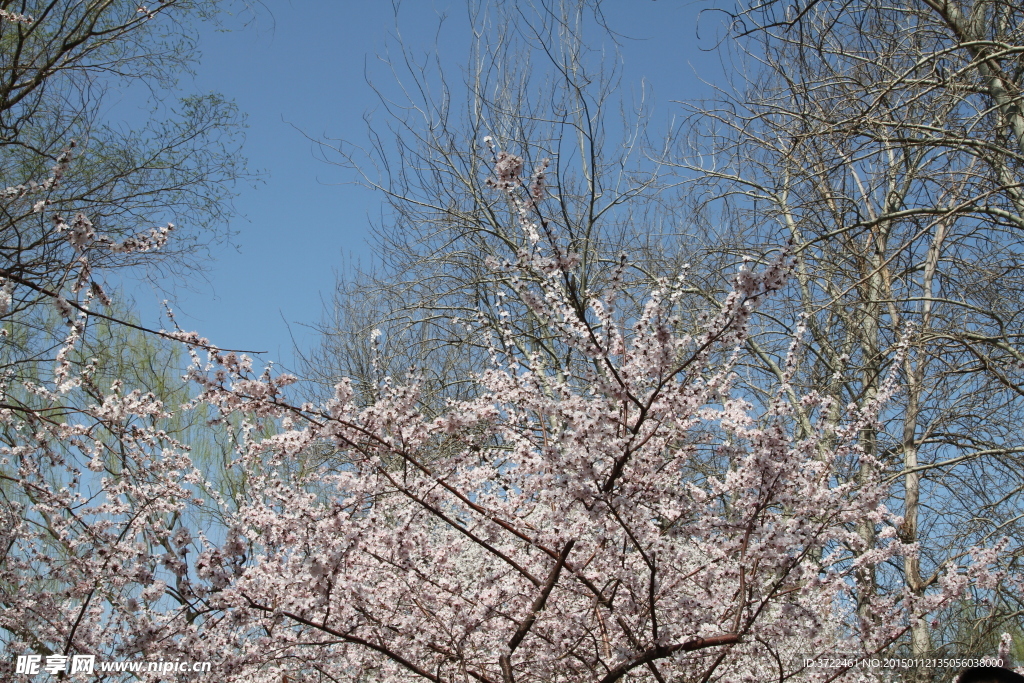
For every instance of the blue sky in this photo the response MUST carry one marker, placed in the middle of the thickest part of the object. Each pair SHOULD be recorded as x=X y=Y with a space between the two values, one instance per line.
x=297 y=70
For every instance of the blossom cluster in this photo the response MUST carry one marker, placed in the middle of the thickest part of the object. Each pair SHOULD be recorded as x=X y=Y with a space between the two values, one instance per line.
x=15 y=18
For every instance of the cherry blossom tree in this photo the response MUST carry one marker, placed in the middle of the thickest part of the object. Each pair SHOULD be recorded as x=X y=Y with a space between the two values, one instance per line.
x=549 y=529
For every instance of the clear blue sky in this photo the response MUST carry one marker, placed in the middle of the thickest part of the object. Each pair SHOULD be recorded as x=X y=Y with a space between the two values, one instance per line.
x=298 y=68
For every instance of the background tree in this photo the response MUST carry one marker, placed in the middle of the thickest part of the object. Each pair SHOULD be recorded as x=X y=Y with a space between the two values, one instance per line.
x=538 y=90
x=885 y=143
x=83 y=191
